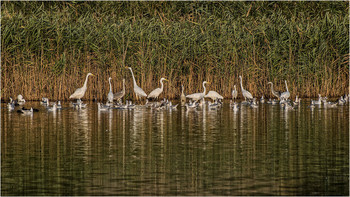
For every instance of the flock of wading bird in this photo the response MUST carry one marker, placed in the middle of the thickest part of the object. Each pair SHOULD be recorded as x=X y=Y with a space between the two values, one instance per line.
x=197 y=100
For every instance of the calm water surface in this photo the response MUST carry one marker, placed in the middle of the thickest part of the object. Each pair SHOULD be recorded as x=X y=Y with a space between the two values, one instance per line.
x=264 y=151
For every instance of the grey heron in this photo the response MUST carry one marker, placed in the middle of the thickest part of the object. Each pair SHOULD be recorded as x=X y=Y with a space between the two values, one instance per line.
x=246 y=94
x=119 y=95
x=275 y=93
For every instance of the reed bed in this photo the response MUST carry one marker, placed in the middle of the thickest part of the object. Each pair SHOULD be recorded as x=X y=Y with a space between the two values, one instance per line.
x=47 y=48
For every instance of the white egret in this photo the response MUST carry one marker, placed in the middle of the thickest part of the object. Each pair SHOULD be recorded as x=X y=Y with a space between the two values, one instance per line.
x=138 y=91
x=79 y=93
x=275 y=93
x=110 y=93
x=285 y=95
x=156 y=92
x=198 y=96
x=245 y=93
x=213 y=95
x=234 y=93
x=119 y=95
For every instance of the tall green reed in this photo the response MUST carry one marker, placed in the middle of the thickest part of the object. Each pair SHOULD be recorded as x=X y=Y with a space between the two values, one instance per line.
x=48 y=47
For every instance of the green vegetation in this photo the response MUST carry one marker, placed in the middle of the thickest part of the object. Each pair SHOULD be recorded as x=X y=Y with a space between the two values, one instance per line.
x=48 y=47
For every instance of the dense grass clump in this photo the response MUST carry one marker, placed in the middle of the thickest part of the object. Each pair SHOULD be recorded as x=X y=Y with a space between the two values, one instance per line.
x=47 y=48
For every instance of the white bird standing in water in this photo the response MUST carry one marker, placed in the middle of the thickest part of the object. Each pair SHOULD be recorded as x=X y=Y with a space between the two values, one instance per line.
x=156 y=92
x=138 y=91
x=246 y=94
x=110 y=93
x=79 y=93
x=285 y=95
x=198 y=96
x=234 y=93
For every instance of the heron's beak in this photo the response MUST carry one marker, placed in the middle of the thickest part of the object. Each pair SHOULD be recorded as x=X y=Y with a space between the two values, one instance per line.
x=126 y=67
x=93 y=75
x=166 y=80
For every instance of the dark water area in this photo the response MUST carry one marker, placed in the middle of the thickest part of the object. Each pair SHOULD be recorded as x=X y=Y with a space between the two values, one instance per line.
x=263 y=151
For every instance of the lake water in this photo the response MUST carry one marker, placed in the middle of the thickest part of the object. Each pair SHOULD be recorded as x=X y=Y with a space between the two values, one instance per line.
x=264 y=151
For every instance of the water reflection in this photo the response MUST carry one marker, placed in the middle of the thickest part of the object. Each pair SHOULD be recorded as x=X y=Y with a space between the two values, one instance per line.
x=264 y=151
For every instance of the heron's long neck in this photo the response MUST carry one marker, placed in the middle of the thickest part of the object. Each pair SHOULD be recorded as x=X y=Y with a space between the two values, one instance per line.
x=286 y=86
x=86 y=80
x=110 y=85
x=204 y=88
x=123 y=86
x=272 y=90
x=241 y=84
x=161 y=85
x=133 y=78
x=182 y=89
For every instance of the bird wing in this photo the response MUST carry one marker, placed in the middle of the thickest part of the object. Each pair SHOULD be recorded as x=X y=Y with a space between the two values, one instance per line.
x=248 y=95
x=78 y=93
x=195 y=96
x=155 y=93
x=139 y=91
x=285 y=95
x=119 y=95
